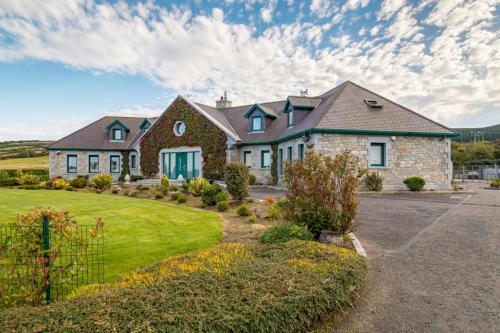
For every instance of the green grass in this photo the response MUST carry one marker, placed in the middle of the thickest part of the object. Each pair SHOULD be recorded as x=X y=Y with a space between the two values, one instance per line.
x=138 y=232
x=41 y=162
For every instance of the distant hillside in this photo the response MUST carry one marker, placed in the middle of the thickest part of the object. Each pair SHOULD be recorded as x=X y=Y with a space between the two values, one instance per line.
x=490 y=133
x=22 y=149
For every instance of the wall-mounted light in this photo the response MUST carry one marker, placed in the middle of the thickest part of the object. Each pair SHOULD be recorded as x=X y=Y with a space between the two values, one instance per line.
x=305 y=138
x=393 y=138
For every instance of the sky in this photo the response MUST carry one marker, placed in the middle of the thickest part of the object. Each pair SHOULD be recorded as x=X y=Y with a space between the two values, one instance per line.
x=64 y=64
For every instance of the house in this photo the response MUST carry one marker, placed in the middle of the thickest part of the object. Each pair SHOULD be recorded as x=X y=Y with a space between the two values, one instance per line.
x=191 y=139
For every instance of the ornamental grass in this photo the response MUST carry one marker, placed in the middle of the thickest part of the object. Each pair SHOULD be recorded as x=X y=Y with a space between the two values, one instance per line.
x=230 y=288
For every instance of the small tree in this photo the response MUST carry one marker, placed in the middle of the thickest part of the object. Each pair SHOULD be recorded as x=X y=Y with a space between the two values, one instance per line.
x=237 y=179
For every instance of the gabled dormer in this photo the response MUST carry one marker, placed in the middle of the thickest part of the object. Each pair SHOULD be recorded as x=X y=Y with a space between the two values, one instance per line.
x=145 y=125
x=259 y=117
x=117 y=131
x=295 y=107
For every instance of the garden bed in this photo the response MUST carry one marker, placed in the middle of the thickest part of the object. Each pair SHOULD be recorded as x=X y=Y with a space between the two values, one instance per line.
x=230 y=288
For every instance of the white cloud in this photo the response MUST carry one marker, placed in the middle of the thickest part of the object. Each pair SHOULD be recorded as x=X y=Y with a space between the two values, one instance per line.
x=266 y=12
x=389 y=8
x=374 y=30
x=38 y=130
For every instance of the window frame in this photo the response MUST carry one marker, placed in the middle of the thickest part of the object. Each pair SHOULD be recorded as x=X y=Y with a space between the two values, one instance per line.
x=291 y=116
x=245 y=158
x=300 y=151
x=383 y=151
x=67 y=163
x=262 y=152
x=113 y=135
x=133 y=157
x=260 y=117
x=289 y=153
x=280 y=161
x=98 y=164
x=111 y=163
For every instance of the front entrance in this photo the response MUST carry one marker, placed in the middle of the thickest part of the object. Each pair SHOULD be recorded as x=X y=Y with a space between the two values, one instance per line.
x=185 y=164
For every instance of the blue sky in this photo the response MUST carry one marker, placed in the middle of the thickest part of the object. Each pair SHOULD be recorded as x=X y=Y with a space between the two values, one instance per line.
x=64 y=64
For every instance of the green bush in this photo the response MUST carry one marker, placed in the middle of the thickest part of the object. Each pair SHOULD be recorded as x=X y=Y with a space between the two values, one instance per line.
x=43 y=174
x=79 y=182
x=252 y=180
x=209 y=194
x=237 y=179
x=185 y=186
x=315 y=217
x=135 y=178
x=182 y=198
x=70 y=188
x=196 y=186
x=174 y=196
x=102 y=181
x=173 y=188
x=251 y=219
x=134 y=194
x=159 y=195
x=165 y=184
x=274 y=212
x=374 y=181
x=59 y=184
x=229 y=288
x=11 y=181
x=221 y=196
x=48 y=185
x=29 y=179
x=115 y=191
x=285 y=232
x=98 y=191
x=243 y=210
x=4 y=174
x=414 y=184
x=495 y=183
x=222 y=206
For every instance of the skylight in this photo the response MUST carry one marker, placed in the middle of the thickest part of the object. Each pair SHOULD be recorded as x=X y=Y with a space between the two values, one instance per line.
x=373 y=103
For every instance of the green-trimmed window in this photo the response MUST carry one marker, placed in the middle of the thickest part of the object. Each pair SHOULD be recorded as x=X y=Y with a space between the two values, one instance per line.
x=257 y=123
x=280 y=161
x=93 y=163
x=247 y=158
x=289 y=153
x=290 y=119
x=72 y=164
x=265 y=159
x=301 y=151
x=114 y=164
x=377 y=154
x=117 y=134
x=133 y=161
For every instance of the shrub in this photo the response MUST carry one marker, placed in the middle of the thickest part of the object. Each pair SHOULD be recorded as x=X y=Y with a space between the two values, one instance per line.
x=134 y=194
x=274 y=212
x=243 y=210
x=4 y=174
x=173 y=188
x=209 y=194
x=10 y=181
x=251 y=219
x=48 y=185
x=30 y=187
x=126 y=193
x=252 y=180
x=268 y=199
x=115 y=191
x=285 y=232
x=70 y=188
x=135 y=178
x=98 y=191
x=159 y=195
x=222 y=206
x=300 y=282
x=185 y=186
x=174 y=196
x=221 y=196
x=237 y=180
x=29 y=179
x=165 y=184
x=143 y=188
x=59 y=184
x=182 y=198
x=495 y=183
x=196 y=186
x=326 y=185
x=374 y=181
x=102 y=181
x=79 y=182
x=415 y=184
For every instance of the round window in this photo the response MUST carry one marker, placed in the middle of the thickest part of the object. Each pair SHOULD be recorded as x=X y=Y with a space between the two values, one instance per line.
x=179 y=128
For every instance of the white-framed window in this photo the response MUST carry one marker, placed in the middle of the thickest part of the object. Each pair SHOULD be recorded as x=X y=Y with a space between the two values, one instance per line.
x=265 y=159
x=179 y=128
x=114 y=164
x=93 y=163
x=72 y=164
x=377 y=154
x=247 y=158
x=117 y=134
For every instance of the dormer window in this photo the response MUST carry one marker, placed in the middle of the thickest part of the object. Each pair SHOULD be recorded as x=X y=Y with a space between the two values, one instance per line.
x=257 y=123
x=290 y=120
x=117 y=134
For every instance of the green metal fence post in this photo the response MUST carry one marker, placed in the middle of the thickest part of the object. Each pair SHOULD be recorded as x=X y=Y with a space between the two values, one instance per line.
x=46 y=247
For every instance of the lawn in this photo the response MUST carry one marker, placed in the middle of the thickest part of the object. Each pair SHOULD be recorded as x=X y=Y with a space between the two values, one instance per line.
x=41 y=162
x=138 y=232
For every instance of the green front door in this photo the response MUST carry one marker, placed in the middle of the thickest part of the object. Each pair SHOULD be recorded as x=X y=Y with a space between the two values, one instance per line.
x=181 y=165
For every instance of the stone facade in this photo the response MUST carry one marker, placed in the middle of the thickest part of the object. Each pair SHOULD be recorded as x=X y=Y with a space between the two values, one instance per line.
x=406 y=156
x=58 y=161
x=262 y=175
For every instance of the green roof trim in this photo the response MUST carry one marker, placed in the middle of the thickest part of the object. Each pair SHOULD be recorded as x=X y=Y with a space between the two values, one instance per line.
x=349 y=131
x=296 y=106
x=258 y=107
x=119 y=123
x=90 y=149
x=144 y=122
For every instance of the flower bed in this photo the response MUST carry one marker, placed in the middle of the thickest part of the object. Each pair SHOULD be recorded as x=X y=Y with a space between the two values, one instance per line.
x=229 y=288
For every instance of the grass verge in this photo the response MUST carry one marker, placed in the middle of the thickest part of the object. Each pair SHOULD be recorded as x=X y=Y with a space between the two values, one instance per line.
x=41 y=162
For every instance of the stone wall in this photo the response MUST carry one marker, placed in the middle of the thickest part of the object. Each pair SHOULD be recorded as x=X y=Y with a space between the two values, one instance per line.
x=58 y=160
x=262 y=175
x=427 y=157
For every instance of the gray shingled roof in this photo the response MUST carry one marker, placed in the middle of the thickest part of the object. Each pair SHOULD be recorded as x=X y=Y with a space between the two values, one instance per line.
x=95 y=135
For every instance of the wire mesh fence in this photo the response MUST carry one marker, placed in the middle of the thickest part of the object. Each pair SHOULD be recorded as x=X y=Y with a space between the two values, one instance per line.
x=58 y=269
x=477 y=172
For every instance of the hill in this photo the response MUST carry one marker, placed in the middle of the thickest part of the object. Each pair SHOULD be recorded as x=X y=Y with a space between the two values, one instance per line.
x=22 y=149
x=489 y=133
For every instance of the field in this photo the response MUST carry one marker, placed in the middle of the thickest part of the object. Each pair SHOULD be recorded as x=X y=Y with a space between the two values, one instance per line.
x=137 y=232
x=15 y=149
x=41 y=162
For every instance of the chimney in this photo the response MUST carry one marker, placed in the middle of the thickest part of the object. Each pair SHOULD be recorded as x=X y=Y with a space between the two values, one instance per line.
x=223 y=102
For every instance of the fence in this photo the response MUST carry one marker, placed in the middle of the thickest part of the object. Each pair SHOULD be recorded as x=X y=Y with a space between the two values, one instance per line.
x=78 y=262
x=477 y=172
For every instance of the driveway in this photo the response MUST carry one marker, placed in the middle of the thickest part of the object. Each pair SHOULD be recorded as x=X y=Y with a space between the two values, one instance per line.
x=435 y=262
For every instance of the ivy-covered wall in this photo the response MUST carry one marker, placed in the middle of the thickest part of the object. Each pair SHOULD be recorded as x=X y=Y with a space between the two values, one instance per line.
x=200 y=132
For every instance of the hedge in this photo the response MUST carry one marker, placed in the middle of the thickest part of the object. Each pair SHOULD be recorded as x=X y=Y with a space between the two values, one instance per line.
x=42 y=173
x=229 y=288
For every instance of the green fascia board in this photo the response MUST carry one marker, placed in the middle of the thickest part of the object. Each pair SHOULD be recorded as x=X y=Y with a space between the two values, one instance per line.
x=256 y=106
x=298 y=107
x=349 y=131
x=91 y=149
x=119 y=123
x=144 y=122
